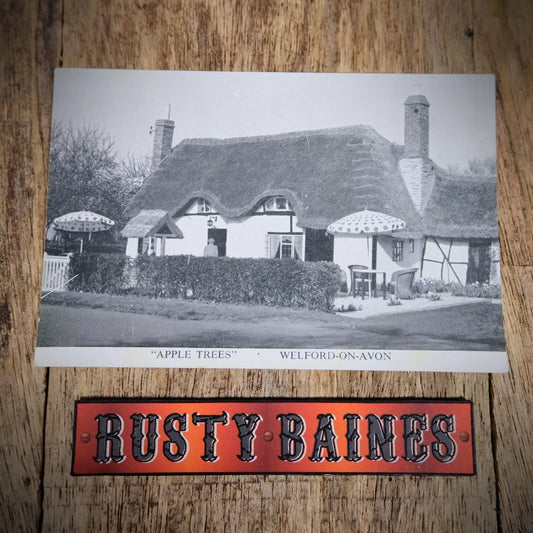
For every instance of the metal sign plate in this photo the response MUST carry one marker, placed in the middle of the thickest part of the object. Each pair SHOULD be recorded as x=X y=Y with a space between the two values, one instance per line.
x=289 y=436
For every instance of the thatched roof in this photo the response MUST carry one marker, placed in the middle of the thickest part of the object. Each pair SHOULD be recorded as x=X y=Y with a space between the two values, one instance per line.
x=151 y=222
x=462 y=208
x=325 y=174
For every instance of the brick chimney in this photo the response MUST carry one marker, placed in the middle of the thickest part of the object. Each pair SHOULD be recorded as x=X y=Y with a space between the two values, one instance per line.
x=415 y=166
x=164 y=128
x=416 y=126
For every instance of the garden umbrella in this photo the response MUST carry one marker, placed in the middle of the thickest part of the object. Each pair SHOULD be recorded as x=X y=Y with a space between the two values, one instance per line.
x=83 y=222
x=369 y=222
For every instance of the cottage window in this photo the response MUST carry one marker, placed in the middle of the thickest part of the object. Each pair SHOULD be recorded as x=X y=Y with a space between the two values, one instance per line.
x=284 y=246
x=277 y=203
x=203 y=206
x=397 y=250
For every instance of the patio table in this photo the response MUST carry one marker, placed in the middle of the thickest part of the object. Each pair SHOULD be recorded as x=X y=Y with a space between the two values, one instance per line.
x=354 y=271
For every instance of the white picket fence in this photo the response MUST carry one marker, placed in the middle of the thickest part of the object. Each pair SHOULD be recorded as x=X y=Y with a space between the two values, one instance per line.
x=55 y=273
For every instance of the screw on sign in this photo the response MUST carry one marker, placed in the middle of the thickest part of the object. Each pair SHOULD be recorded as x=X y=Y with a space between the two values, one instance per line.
x=278 y=436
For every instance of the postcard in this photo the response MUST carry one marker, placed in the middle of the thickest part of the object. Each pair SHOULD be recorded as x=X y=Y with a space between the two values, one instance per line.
x=272 y=220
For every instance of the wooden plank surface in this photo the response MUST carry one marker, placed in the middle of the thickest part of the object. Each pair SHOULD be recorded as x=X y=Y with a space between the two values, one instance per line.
x=37 y=491
x=27 y=56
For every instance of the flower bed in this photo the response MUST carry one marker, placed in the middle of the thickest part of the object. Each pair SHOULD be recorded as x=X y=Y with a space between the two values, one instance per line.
x=432 y=287
x=477 y=290
x=429 y=285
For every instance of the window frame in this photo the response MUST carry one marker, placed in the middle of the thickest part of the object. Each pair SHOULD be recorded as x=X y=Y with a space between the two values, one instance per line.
x=397 y=250
x=296 y=245
x=203 y=207
x=271 y=204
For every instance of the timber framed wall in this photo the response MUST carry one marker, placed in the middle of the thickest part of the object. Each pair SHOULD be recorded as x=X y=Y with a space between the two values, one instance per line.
x=37 y=491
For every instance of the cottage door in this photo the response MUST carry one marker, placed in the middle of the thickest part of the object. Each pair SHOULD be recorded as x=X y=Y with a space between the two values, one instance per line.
x=478 y=262
x=318 y=245
x=220 y=236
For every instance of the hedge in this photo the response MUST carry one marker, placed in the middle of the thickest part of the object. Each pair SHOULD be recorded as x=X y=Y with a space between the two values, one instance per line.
x=273 y=282
x=99 y=273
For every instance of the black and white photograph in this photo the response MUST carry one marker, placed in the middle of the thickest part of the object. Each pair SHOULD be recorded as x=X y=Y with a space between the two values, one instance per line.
x=272 y=220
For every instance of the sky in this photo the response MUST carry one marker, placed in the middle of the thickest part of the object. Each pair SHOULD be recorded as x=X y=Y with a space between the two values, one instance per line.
x=126 y=103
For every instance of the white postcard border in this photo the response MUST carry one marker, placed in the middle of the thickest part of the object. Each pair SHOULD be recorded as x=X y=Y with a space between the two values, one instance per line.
x=275 y=359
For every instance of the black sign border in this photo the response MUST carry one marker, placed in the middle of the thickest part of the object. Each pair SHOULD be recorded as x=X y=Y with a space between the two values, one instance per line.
x=218 y=399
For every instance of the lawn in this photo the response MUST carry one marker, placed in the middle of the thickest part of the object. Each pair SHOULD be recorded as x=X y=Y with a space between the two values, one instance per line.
x=81 y=319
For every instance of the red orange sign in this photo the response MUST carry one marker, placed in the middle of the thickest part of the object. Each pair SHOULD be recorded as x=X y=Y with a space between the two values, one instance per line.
x=278 y=436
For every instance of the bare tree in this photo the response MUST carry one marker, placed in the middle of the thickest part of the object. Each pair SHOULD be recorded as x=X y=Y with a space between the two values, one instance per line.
x=86 y=173
x=135 y=170
x=484 y=167
x=478 y=167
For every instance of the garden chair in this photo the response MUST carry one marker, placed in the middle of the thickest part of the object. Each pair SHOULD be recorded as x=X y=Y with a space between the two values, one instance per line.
x=401 y=283
x=358 y=279
x=343 y=281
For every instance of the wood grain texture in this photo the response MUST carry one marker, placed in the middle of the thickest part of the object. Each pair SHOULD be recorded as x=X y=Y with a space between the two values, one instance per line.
x=26 y=58
x=503 y=46
x=333 y=36
x=513 y=404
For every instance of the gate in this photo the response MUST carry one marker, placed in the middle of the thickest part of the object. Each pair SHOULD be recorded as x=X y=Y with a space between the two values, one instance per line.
x=55 y=273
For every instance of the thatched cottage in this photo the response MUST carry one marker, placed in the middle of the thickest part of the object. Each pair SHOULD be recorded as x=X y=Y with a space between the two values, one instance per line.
x=274 y=196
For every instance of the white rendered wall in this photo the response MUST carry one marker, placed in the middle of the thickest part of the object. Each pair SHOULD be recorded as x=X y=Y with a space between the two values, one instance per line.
x=410 y=259
x=495 y=272
x=458 y=254
x=352 y=250
x=194 y=229
x=247 y=235
x=131 y=247
x=357 y=249
x=158 y=244
x=173 y=246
